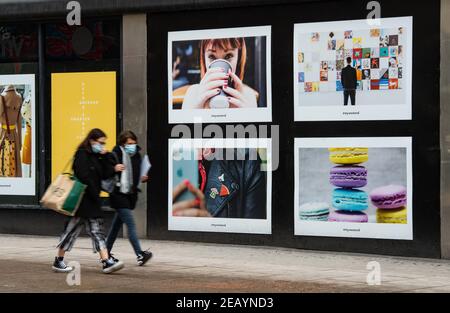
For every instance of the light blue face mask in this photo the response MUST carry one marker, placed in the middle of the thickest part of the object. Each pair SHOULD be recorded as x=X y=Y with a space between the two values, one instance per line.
x=130 y=149
x=97 y=148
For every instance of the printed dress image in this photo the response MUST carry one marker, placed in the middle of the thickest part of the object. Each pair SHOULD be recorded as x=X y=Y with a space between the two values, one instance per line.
x=14 y=151
x=17 y=135
x=27 y=143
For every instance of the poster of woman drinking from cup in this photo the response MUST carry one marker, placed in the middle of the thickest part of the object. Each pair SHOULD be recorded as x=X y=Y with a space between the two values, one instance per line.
x=220 y=76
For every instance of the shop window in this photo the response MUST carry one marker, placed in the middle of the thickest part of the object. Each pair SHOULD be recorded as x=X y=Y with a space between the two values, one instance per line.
x=18 y=44
x=93 y=41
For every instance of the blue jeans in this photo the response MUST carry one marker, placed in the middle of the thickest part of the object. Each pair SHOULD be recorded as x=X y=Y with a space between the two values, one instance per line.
x=123 y=216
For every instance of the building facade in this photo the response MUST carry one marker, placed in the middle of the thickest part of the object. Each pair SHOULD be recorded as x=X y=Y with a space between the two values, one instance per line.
x=135 y=65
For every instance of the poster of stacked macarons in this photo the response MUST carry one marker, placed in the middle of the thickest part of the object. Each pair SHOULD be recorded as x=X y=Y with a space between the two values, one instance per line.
x=353 y=70
x=354 y=187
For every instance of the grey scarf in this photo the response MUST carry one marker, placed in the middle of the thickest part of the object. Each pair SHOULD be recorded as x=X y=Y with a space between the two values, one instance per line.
x=126 y=179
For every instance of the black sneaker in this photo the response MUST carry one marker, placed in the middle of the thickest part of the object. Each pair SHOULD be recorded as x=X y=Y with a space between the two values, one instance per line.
x=111 y=266
x=144 y=257
x=60 y=267
x=111 y=256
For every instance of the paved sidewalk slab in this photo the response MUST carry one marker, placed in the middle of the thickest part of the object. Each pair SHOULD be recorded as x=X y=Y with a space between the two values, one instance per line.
x=25 y=266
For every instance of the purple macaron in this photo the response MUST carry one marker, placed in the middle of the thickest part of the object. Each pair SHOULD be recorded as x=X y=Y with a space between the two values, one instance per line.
x=389 y=197
x=348 y=176
x=348 y=217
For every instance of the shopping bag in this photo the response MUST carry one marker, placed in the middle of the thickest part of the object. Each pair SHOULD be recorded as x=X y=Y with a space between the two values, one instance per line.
x=64 y=195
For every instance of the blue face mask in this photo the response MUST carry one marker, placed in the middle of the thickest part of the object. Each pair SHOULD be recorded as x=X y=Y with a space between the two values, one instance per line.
x=130 y=149
x=97 y=148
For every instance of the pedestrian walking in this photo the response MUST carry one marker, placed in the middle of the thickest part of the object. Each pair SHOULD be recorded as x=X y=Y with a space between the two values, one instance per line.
x=125 y=195
x=92 y=164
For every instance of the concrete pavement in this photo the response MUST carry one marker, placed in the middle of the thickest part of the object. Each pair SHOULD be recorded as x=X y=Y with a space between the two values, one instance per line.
x=25 y=266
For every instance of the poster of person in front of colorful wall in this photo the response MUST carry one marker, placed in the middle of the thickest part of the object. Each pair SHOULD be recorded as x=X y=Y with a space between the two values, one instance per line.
x=17 y=135
x=353 y=70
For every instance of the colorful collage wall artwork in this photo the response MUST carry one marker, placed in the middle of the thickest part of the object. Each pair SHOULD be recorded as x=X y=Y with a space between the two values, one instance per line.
x=377 y=55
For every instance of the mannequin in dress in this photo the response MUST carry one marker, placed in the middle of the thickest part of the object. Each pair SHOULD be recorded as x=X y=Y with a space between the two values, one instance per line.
x=10 y=108
x=26 y=146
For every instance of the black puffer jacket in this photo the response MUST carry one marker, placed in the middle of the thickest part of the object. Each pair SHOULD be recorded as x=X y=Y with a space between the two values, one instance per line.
x=245 y=182
x=119 y=200
x=90 y=168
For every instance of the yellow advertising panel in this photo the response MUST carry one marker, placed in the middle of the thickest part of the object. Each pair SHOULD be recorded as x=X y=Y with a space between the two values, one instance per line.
x=80 y=102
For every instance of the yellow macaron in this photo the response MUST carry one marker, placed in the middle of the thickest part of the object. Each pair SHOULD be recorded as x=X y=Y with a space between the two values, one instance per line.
x=347 y=156
x=399 y=216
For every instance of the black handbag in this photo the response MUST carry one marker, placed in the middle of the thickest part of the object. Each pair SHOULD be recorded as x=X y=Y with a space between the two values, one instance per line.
x=108 y=185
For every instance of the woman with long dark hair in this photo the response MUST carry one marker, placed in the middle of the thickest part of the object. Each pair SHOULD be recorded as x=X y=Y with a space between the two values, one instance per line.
x=92 y=163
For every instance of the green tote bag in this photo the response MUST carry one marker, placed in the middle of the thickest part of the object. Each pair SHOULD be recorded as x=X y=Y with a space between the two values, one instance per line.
x=64 y=195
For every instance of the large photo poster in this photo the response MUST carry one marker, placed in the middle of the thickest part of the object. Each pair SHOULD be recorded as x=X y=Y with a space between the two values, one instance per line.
x=220 y=185
x=220 y=75
x=354 y=187
x=17 y=135
x=350 y=70
x=80 y=102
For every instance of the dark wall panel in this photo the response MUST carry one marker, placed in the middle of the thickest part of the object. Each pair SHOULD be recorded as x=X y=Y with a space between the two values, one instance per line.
x=424 y=128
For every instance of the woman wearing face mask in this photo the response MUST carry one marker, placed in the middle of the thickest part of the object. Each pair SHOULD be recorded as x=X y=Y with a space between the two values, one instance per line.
x=92 y=163
x=124 y=197
x=214 y=80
